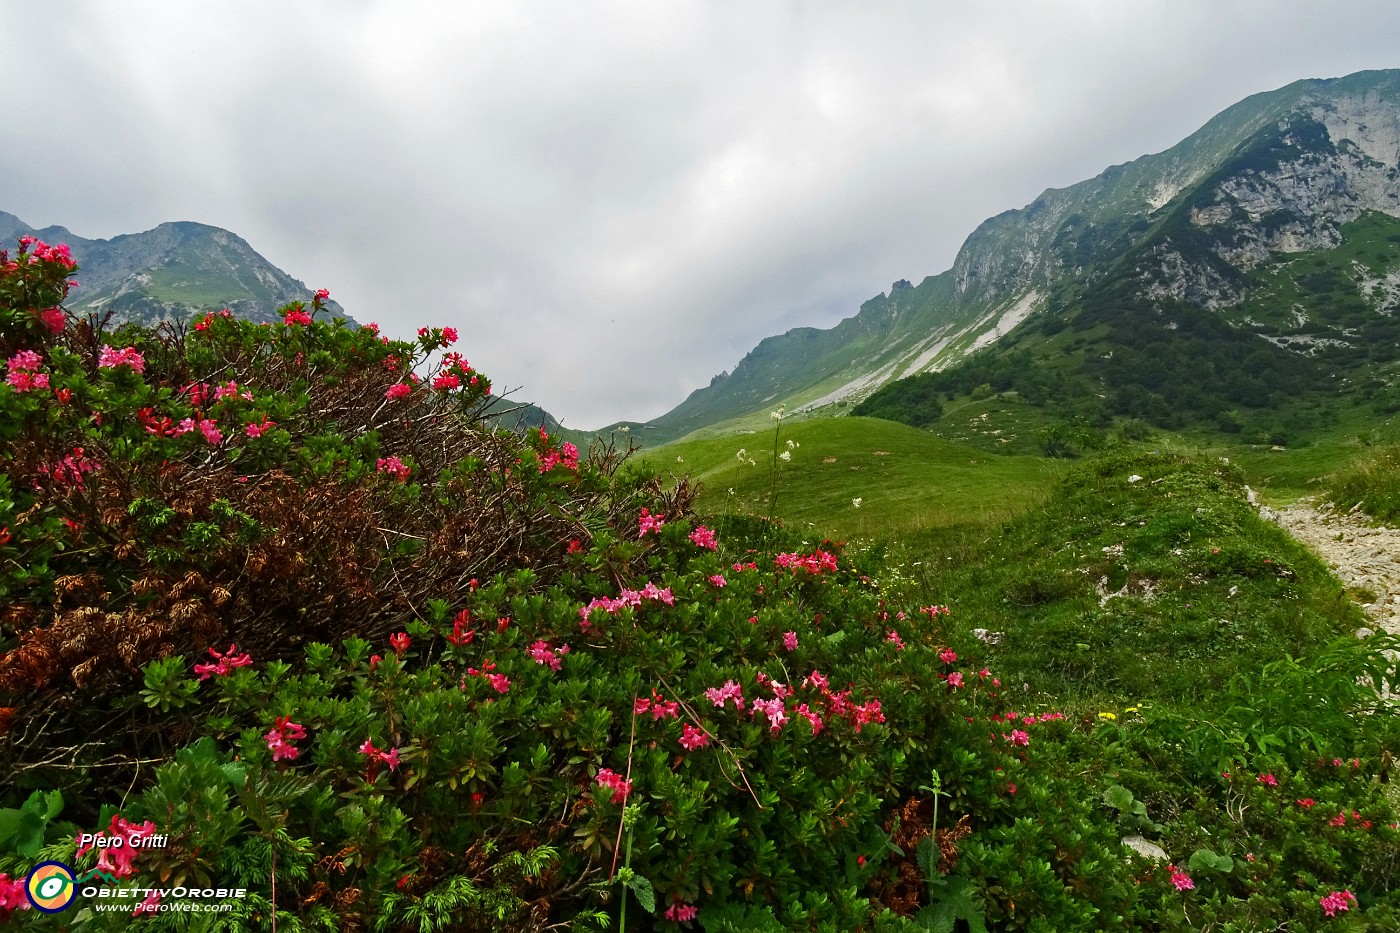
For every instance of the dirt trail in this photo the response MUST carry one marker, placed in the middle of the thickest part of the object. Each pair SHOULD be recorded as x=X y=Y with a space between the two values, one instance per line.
x=1364 y=558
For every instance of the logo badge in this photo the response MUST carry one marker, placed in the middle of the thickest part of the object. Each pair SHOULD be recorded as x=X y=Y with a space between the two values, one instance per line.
x=51 y=887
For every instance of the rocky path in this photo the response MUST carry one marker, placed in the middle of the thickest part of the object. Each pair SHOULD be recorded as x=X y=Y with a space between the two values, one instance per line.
x=1365 y=558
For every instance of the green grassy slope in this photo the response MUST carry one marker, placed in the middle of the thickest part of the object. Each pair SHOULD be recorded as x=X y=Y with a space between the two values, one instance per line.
x=905 y=478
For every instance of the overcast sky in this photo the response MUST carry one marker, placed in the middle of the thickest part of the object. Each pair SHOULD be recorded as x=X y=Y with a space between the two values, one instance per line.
x=615 y=201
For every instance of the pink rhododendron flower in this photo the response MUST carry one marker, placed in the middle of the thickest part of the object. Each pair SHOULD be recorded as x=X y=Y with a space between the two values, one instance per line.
x=231 y=390
x=947 y=656
x=894 y=639
x=815 y=563
x=789 y=641
x=681 y=913
x=394 y=467
x=322 y=294
x=867 y=713
x=257 y=430
x=118 y=859
x=296 y=316
x=399 y=642
x=128 y=356
x=211 y=431
x=730 y=691
x=27 y=382
x=649 y=524
x=1340 y=900
x=614 y=782
x=1339 y=820
x=955 y=679
x=449 y=336
x=1018 y=737
x=1267 y=779
x=658 y=706
x=284 y=733
x=693 y=738
x=444 y=382
x=399 y=390
x=12 y=896
x=24 y=361
x=704 y=537
x=1182 y=880
x=718 y=580
x=773 y=711
x=499 y=682
x=542 y=653
x=1307 y=803
x=53 y=319
x=805 y=711
x=226 y=663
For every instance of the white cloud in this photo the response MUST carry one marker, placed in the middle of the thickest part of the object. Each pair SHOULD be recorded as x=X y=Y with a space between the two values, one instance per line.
x=614 y=201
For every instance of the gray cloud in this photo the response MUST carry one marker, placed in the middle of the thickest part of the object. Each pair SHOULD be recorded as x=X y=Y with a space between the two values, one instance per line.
x=614 y=201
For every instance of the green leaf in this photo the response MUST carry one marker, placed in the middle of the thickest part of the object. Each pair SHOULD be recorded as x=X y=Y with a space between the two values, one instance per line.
x=645 y=895
x=1118 y=797
x=236 y=773
x=1206 y=859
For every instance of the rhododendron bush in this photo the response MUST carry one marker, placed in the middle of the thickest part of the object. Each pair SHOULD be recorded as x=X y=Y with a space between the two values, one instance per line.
x=163 y=491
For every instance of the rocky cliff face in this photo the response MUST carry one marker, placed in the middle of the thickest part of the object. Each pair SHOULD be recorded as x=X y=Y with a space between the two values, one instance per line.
x=1278 y=175
x=174 y=272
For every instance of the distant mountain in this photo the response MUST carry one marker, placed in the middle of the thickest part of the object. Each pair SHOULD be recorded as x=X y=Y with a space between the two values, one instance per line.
x=176 y=271
x=1273 y=232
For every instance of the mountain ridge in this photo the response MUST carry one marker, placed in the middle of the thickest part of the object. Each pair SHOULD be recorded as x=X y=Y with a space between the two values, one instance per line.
x=1014 y=264
x=174 y=271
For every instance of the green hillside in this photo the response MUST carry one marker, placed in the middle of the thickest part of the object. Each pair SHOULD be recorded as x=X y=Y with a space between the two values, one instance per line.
x=905 y=479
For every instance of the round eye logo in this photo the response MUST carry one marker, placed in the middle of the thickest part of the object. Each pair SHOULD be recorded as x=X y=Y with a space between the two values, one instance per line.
x=50 y=887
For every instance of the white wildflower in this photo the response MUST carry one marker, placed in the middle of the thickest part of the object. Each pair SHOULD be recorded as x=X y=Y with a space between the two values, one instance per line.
x=785 y=456
x=857 y=501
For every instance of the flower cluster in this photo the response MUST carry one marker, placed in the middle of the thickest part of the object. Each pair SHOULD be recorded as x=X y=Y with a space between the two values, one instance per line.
x=375 y=757
x=226 y=663
x=541 y=653
x=817 y=562
x=499 y=682
x=284 y=733
x=203 y=323
x=1182 y=880
x=693 y=738
x=658 y=706
x=257 y=430
x=681 y=913
x=566 y=456
x=24 y=375
x=112 y=358
x=12 y=894
x=394 y=467
x=649 y=524
x=296 y=316
x=71 y=469
x=625 y=599
x=730 y=691
x=461 y=635
x=705 y=538
x=614 y=782
x=1338 y=900
x=115 y=857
